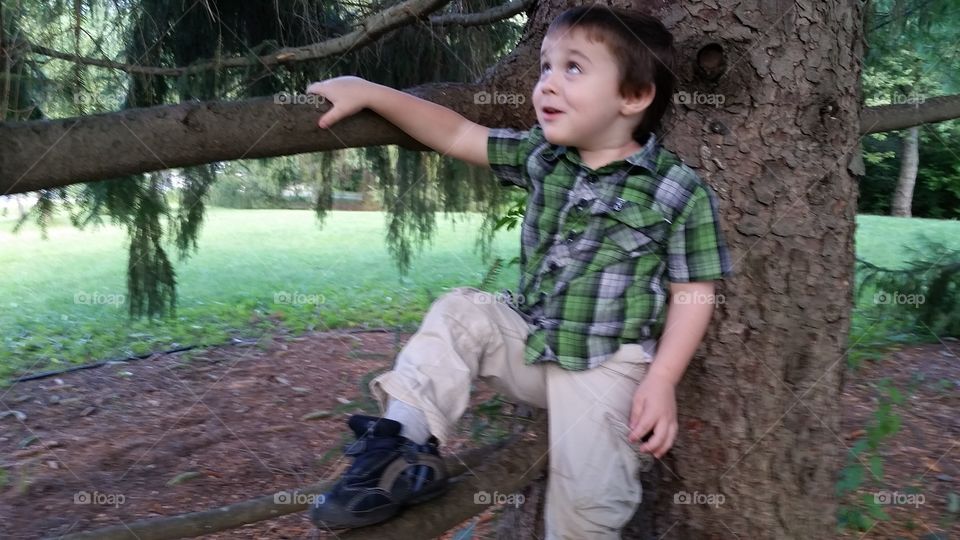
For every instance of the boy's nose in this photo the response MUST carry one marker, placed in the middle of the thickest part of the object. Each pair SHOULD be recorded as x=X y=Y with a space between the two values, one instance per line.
x=547 y=85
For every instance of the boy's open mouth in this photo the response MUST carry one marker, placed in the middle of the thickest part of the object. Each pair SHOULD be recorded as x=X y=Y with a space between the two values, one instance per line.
x=550 y=112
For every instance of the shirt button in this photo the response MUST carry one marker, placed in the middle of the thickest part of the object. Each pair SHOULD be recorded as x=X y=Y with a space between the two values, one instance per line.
x=591 y=178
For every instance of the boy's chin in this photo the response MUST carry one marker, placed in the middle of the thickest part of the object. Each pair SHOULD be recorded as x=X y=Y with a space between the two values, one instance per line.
x=557 y=138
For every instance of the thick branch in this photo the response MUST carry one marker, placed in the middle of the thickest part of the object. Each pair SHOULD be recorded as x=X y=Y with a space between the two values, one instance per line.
x=504 y=468
x=53 y=153
x=371 y=29
x=894 y=117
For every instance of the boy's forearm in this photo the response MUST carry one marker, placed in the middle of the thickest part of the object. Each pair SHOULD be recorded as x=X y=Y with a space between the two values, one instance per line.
x=691 y=307
x=434 y=125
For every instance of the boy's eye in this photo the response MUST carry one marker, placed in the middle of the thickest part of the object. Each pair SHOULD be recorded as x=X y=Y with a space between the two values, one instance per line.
x=573 y=66
x=544 y=67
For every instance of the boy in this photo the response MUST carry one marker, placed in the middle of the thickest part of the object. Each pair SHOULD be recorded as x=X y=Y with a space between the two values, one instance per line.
x=611 y=217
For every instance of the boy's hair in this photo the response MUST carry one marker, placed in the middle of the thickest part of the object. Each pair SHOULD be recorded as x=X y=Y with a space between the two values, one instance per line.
x=642 y=47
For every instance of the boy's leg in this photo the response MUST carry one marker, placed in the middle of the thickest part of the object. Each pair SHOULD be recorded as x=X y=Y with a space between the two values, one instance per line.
x=593 y=488
x=465 y=334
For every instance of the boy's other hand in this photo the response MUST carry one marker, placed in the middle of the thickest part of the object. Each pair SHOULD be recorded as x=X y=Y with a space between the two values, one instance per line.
x=347 y=95
x=654 y=408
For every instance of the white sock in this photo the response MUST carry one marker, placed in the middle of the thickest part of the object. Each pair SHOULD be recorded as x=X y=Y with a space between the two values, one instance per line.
x=414 y=422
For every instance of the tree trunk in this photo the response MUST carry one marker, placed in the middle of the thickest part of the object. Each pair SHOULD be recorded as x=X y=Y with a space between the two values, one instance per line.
x=909 y=163
x=759 y=405
x=770 y=118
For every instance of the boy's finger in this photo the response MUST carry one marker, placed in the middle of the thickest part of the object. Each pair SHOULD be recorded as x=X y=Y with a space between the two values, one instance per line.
x=643 y=427
x=314 y=88
x=636 y=413
x=656 y=442
x=671 y=438
x=328 y=119
x=635 y=416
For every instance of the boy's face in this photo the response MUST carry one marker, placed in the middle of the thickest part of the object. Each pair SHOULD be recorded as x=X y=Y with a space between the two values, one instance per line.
x=577 y=99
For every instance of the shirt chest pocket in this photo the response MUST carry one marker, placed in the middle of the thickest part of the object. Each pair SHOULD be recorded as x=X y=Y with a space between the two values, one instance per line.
x=634 y=228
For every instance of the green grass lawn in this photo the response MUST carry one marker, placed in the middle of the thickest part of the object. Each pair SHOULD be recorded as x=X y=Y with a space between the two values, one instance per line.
x=62 y=298
x=883 y=240
x=255 y=272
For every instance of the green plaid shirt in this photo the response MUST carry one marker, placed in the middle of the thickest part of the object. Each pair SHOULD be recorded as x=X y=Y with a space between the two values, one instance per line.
x=599 y=246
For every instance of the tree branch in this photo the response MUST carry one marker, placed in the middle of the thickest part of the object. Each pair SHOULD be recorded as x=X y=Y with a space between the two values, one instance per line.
x=489 y=16
x=53 y=153
x=505 y=467
x=894 y=117
x=372 y=28
x=369 y=30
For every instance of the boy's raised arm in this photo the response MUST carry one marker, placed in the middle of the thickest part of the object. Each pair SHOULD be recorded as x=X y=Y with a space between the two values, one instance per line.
x=436 y=126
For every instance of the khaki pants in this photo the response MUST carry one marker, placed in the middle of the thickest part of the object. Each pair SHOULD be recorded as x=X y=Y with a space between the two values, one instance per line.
x=593 y=486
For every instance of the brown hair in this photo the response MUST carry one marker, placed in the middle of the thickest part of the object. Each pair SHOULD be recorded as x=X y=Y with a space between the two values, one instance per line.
x=642 y=47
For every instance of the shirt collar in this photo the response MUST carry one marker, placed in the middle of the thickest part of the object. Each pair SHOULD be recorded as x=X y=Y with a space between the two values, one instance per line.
x=644 y=157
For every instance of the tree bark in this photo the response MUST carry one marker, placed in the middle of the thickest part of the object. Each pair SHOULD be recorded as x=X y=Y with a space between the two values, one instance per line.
x=909 y=163
x=759 y=411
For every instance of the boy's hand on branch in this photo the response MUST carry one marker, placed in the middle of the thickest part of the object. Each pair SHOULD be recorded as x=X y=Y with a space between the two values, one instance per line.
x=347 y=96
x=654 y=408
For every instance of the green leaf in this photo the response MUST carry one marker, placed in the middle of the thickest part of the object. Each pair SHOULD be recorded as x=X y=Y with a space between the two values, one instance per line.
x=858 y=447
x=876 y=467
x=850 y=478
x=953 y=502
x=183 y=477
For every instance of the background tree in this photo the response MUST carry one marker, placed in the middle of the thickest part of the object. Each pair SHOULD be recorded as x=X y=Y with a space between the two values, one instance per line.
x=909 y=59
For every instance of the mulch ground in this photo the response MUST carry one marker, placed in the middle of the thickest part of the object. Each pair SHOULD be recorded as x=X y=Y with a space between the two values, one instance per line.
x=185 y=432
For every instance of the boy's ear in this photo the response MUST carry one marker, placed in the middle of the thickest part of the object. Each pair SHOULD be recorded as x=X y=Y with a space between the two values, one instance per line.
x=638 y=102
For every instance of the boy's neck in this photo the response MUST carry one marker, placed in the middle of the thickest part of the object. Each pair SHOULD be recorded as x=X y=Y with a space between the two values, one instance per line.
x=596 y=158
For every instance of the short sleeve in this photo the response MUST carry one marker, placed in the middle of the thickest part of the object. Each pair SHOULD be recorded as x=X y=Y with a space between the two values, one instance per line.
x=507 y=153
x=696 y=250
